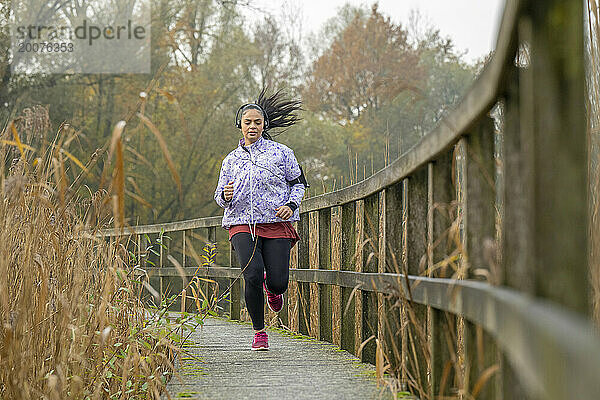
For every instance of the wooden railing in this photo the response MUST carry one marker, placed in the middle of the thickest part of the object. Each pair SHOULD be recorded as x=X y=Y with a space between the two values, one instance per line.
x=464 y=261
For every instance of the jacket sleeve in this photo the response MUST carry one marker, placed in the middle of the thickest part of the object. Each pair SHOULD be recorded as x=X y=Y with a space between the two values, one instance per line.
x=224 y=176
x=292 y=171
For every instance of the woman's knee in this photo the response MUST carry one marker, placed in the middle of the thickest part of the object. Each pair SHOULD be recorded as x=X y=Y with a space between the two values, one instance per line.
x=254 y=277
x=277 y=286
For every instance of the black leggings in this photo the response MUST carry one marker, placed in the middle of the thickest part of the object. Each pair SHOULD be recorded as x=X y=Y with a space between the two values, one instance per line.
x=272 y=255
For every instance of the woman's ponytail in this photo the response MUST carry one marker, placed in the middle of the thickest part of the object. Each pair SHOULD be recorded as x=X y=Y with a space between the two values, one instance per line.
x=280 y=110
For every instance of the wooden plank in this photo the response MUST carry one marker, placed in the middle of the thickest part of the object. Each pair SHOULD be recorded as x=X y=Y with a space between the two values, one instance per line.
x=416 y=263
x=462 y=375
x=479 y=224
x=293 y=303
x=313 y=243
x=336 y=263
x=176 y=226
x=304 y=288
x=440 y=218
x=370 y=264
x=518 y=235
x=236 y=286
x=381 y=267
x=358 y=295
x=348 y=301
x=211 y=293
x=403 y=308
x=139 y=249
x=184 y=282
x=560 y=153
x=392 y=245
x=160 y=264
x=432 y=327
x=325 y=291
x=479 y=201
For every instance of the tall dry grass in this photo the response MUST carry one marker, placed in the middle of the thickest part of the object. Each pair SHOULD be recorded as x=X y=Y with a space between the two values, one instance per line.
x=71 y=321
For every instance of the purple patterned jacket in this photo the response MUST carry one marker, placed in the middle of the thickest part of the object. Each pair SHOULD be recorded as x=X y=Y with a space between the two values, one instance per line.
x=260 y=173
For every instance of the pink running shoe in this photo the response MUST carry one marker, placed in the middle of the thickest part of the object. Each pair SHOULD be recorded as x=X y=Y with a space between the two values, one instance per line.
x=261 y=341
x=275 y=301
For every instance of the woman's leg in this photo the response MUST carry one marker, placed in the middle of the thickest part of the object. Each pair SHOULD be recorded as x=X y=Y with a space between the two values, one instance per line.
x=253 y=276
x=276 y=256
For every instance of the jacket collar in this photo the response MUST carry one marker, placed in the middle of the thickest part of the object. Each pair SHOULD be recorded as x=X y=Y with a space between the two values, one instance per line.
x=256 y=146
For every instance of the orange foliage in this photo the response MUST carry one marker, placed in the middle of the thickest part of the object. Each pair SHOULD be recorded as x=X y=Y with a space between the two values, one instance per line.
x=369 y=63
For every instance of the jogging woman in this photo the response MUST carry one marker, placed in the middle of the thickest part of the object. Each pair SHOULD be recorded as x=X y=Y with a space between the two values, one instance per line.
x=260 y=187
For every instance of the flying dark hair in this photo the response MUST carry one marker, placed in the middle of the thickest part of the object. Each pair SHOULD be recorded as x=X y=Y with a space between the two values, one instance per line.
x=280 y=111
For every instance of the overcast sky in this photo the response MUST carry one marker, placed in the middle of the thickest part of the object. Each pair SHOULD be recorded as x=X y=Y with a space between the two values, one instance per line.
x=472 y=24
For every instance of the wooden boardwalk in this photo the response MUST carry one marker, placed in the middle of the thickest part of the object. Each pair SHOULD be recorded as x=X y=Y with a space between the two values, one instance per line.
x=220 y=365
x=480 y=232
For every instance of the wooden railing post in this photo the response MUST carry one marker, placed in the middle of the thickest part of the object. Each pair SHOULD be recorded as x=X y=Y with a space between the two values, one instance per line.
x=235 y=295
x=293 y=299
x=313 y=260
x=210 y=289
x=404 y=269
x=324 y=262
x=517 y=230
x=370 y=264
x=183 y=259
x=348 y=300
x=557 y=93
x=336 y=264
x=545 y=222
x=391 y=228
x=440 y=197
x=381 y=268
x=304 y=288
x=479 y=222
x=184 y=280
x=139 y=249
x=358 y=295
x=462 y=371
x=416 y=252
x=160 y=265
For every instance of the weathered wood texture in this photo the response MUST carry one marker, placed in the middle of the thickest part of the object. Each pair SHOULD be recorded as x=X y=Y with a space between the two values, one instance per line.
x=293 y=296
x=325 y=291
x=336 y=264
x=480 y=236
x=303 y=288
x=348 y=298
x=236 y=288
x=218 y=364
x=313 y=245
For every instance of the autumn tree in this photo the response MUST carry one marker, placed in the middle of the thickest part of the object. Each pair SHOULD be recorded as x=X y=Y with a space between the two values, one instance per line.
x=371 y=62
x=279 y=59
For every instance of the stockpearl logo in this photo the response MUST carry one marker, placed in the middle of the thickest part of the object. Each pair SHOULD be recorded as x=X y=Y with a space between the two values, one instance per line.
x=97 y=38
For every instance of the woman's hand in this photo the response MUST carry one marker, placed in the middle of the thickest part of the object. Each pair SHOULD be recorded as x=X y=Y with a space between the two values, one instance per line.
x=284 y=212
x=228 y=191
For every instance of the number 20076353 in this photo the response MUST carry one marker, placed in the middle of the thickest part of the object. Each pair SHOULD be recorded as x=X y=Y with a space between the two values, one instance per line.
x=45 y=47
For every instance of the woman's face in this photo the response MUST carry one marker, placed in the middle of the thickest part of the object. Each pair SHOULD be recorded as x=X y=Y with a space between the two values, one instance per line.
x=252 y=125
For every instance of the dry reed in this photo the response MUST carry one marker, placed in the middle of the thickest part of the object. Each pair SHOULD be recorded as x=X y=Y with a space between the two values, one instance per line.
x=71 y=321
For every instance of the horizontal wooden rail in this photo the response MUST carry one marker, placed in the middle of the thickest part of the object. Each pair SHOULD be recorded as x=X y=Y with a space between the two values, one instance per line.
x=177 y=226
